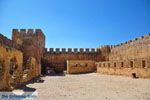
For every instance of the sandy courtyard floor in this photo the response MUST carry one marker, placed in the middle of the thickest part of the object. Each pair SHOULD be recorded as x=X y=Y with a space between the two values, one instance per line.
x=92 y=86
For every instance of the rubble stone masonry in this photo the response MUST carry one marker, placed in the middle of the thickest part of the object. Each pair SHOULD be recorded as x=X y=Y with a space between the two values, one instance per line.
x=131 y=57
x=58 y=58
x=80 y=66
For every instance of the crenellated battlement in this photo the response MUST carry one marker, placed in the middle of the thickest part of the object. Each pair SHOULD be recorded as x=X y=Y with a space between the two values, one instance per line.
x=145 y=37
x=72 y=50
x=28 y=32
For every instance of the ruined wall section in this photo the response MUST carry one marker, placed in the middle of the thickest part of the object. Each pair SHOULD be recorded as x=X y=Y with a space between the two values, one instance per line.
x=133 y=49
x=8 y=43
x=58 y=59
x=32 y=45
x=11 y=61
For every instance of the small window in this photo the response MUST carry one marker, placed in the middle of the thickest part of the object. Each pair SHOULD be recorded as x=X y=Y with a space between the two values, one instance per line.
x=104 y=64
x=131 y=63
x=86 y=65
x=122 y=64
x=108 y=64
x=114 y=64
x=99 y=65
x=143 y=63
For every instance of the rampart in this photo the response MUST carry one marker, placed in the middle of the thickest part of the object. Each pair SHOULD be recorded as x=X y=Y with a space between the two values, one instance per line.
x=22 y=57
x=138 y=67
x=131 y=57
x=57 y=58
x=132 y=49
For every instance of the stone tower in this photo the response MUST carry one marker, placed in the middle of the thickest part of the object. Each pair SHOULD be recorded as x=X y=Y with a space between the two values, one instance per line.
x=32 y=45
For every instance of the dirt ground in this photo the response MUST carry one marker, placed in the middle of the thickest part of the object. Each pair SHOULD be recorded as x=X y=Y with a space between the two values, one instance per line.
x=92 y=86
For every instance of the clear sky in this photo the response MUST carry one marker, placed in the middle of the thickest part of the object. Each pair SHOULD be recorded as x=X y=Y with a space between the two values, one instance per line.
x=78 y=23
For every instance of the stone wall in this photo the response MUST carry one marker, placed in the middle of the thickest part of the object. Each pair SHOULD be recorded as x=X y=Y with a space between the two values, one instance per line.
x=127 y=58
x=58 y=59
x=32 y=45
x=133 y=49
x=80 y=66
x=8 y=43
x=11 y=68
x=20 y=58
x=141 y=67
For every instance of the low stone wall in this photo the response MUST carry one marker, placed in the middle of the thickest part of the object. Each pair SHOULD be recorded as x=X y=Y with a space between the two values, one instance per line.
x=140 y=67
x=80 y=66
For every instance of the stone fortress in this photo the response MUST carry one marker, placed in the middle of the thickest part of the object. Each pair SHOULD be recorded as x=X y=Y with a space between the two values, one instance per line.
x=25 y=57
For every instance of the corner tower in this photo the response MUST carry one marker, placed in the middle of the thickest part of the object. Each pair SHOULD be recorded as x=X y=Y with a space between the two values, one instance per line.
x=32 y=45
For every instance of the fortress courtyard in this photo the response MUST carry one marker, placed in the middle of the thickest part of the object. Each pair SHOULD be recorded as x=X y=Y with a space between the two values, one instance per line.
x=90 y=86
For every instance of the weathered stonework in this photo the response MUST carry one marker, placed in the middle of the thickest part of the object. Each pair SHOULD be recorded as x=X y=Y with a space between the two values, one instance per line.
x=80 y=66
x=25 y=57
x=58 y=59
x=32 y=45
x=11 y=61
x=20 y=58
x=132 y=57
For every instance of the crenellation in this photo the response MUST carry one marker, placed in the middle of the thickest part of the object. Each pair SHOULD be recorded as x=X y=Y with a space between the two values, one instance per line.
x=23 y=31
x=93 y=50
x=87 y=50
x=15 y=31
x=30 y=31
x=63 y=50
x=69 y=50
x=57 y=50
x=75 y=50
x=51 y=50
x=131 y=42
x=81 y=50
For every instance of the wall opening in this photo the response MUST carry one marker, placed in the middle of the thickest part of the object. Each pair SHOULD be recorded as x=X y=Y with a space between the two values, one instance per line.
x=99 y=65
x=13 y=65
x=131 y=63
x=108 y=64
x=134 y=75
x=114 y=64
x=122 y=64
x=143 y=63
x=103 y=64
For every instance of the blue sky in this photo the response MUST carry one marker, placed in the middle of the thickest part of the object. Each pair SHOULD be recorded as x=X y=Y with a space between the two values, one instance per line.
x=78 y=23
